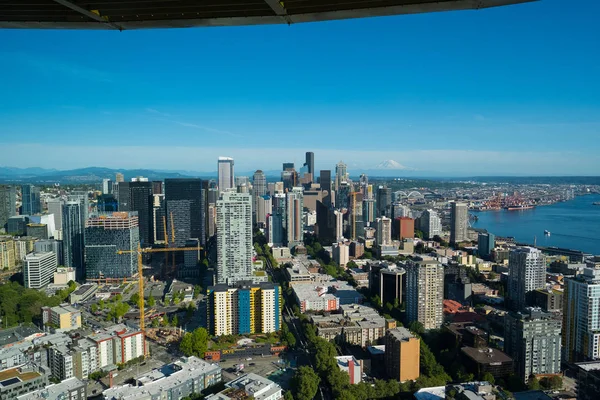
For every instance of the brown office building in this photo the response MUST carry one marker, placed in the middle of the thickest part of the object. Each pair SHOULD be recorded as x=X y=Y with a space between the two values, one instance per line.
x=402 y=352
x=407 y=227
x=479 y=361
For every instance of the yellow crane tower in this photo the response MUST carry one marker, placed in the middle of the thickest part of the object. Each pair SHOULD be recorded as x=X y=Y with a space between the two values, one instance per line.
x=139 y=251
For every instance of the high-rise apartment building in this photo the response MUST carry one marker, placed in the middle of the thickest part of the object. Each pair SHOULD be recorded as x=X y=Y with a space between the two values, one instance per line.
x=526 y=273
x=369 y=212
x=532 y=339
x=73 y=226
x=185 y=201
x=485 y=244
x=387 y=282
x=234 y=237
x=339 y=225
x=581 y=317
x=425 y=293
x=275 y=229
x=38 y=269
x=459 y=222
x=384 y=231
x=105 y=235
x=264 y=207
x=8 y=204
x=107 y=186
x=402 y=354
x=226 y=173
x=430 y=223
x=119 y=177
x=384 y=201
x=137 y=196
x=244 y=309
x=30 y=200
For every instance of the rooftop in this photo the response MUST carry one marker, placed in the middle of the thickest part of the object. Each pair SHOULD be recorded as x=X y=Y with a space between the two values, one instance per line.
x=246 y=386
x=401 y=333
x=154 y=382
x=431 y=393
x=54 y=392
x=12 y=376
x=486 y=355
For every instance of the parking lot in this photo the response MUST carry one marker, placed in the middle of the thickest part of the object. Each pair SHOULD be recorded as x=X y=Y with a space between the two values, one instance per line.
x=263 y=366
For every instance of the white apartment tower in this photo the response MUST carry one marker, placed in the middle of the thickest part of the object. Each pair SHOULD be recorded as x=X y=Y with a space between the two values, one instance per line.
x=234 y=237
x=526 y=273
x=459 y=222
x=384 y=231
x=425 y=293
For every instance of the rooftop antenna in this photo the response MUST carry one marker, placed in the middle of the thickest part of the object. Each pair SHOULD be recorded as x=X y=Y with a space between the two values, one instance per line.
x=535 y=241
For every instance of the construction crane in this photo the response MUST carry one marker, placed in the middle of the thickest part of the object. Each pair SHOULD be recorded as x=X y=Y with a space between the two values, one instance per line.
x=139 y=251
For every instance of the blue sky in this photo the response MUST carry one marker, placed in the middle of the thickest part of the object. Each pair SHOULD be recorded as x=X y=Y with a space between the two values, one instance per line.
x=511 y=90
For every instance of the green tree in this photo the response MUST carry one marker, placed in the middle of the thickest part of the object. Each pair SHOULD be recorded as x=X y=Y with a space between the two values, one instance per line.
x=151 y=301
x=94 y=308
x=200 y=341
x=489 y=378
x=288 y=396
x=533 y=384
x=175 y=321
x=135 y=299
x=197 y=291
x=305 y=384
x=186 y=346
x=417 y=328
x=155 y=323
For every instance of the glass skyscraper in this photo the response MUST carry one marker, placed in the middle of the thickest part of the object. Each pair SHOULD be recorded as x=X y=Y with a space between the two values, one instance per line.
x=185 y=202
x=8 y=204
x=106 y=234
x=30 y=199
x=73 y=225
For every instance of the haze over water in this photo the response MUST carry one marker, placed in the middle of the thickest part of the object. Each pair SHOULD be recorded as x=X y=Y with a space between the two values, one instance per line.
x=573 y=224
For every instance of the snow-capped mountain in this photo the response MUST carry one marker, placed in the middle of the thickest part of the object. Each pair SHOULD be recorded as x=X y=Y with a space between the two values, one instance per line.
x=391 y=164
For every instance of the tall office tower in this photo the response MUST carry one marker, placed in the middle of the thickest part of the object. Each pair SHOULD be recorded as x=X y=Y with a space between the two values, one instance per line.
x=384 y=231
x=402 y=353
x=310 y=163
x=73 y=226
x=55 y=207
x=244 y=309
x=526 y=273
x=137 y=196
x=226 y=173
x=107 y=203
x=581 y=322
x=326 y=223
x=157 y=187
x=293 y=215
x=459 y=222
x=341 y=174
x=357 y=225
x=186 y=203
x=82 y=198
x=275 y=230
x=532 y=339
x=339 y=225
x=325 y=182
x=259 y=189
x=8 y=204
x=159 y=218
x=17 y=225
x=363 y=183
x=369 y=210
x=387 y=282
x=30 y=200
x=384 y=201
x=425 y=293
x=105 y=235
x=119 y=177
x=107 y=186
x=39 y=269
x=288 y=166
x=234 y=237
x=485 y=244
x=289 y=177
x=430 y=224
x=342 y=195
x=407 y=227
x=50 y=245
x=264 y=208
x=212 y=195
